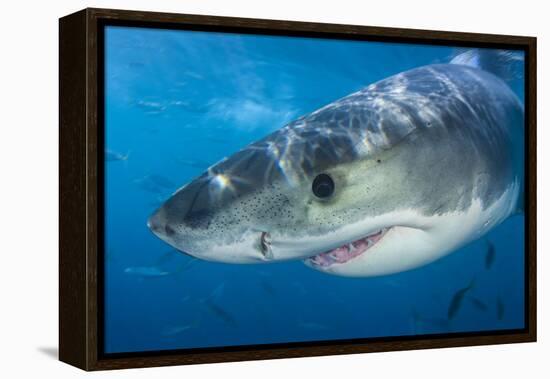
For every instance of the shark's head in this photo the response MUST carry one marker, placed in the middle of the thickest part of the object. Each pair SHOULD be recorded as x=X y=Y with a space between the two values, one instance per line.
x=352 y=189
x=296 y=194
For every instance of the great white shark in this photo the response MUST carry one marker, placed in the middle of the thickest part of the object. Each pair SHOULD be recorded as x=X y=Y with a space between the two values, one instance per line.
x=386 y=179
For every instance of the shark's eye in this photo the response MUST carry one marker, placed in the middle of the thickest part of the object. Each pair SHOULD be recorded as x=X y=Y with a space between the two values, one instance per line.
x=323 y=186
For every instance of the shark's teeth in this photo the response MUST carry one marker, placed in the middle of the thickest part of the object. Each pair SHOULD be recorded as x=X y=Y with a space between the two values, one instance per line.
x=348 y=251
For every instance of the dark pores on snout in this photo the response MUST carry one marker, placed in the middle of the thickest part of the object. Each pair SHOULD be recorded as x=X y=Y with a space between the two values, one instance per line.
x=204 y=212
x=214 y=210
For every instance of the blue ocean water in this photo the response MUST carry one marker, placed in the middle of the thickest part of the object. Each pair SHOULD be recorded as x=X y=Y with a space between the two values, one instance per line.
x=179 y=101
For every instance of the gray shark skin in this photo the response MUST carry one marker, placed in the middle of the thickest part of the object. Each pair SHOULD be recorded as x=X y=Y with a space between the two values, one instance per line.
x=411 y=157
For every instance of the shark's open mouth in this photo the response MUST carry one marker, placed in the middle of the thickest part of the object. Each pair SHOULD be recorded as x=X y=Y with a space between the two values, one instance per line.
x=348 y=251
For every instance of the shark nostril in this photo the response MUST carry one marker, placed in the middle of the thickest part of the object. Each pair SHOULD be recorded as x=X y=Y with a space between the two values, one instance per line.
x=153 y=223
x=158 y=222
x=169 y=230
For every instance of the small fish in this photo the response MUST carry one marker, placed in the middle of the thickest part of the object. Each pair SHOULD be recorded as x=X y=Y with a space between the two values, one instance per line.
x=490 y=255
x=500 y=309
x=221 y=313
x=312 y=326
x=166 y=257
x=194 y=75
x=478 y=304
x=186 y=265
x=155 y=269
x=216 y=293
x=136 y=64
x=209 y=302
x=189 y=107
x=174 y=330
x=113 y=156
x=456 y=301
x=151 y=106
x=161 y=181
x=178 y=329
x=195 y=163
x=156 y=184
x=146 y=271
x=268 y=288
x=421 y=324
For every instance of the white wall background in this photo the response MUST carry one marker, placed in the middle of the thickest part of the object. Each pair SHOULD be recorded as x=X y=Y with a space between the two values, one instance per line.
x=28 y=174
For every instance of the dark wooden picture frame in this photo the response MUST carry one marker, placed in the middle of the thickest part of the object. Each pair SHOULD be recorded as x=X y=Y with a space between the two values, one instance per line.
x=80 y=196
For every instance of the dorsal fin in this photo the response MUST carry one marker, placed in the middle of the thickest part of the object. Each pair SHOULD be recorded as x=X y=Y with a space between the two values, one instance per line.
x=506 y=64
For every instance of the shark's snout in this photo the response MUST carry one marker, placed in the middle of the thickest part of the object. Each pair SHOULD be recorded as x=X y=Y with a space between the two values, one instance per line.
x=158 y=224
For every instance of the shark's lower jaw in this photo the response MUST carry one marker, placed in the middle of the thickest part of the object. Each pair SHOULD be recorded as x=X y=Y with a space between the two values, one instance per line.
x=347 y=252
